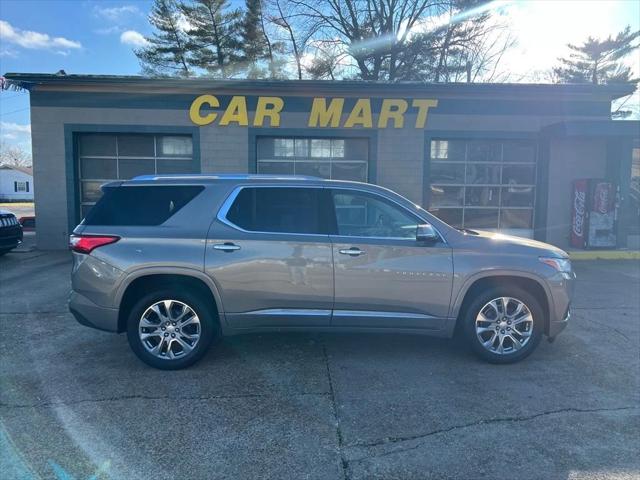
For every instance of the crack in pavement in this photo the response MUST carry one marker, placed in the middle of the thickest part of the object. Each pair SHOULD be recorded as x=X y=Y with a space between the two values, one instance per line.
x=158 y=397
x=344 y=464
x=395 y=440
x=607 y=326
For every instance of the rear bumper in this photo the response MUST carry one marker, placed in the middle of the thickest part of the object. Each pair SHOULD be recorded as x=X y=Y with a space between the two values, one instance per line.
x=91 y=315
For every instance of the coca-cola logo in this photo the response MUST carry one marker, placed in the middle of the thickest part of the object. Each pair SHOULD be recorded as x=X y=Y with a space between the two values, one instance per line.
x=579 y=201
x=602 y=199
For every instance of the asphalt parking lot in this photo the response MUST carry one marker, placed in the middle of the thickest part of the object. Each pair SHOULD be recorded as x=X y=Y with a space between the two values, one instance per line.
x=75 y=402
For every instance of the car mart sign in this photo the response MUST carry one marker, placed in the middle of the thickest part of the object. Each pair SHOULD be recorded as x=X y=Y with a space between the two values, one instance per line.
x=324 y=112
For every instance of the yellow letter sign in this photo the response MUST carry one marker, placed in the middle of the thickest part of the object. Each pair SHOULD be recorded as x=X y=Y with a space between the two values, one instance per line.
x=194 y=112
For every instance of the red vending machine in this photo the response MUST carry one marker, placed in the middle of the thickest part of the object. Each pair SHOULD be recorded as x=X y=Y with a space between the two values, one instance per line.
x=593 y=213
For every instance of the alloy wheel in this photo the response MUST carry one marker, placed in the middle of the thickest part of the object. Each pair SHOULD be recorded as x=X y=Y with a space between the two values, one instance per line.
x=504 y=325
x=169 y=329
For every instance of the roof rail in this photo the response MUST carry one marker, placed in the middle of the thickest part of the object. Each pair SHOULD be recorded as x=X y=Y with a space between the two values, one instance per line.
x=222 y=176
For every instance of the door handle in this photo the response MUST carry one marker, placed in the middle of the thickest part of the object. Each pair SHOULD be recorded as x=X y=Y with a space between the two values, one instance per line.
x=352 y=252
x=227 y=247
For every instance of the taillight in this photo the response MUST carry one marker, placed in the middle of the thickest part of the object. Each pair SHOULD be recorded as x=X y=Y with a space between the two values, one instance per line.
x=87 y=243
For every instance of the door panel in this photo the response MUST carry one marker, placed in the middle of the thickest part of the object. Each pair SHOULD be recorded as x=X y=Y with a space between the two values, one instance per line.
x=270 y=256
x=399 y=283
x=384 y=277
x=266 y=275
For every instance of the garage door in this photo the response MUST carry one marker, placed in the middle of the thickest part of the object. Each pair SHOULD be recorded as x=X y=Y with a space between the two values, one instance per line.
x=106 y=157
x=334 y=158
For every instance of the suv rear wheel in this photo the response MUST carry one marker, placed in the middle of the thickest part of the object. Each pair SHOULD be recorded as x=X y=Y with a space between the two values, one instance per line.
x=170 y=329
x=504 y=324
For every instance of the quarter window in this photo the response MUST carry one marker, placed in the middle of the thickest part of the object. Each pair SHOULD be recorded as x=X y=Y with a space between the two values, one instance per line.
x=140 y=205
x=278 y=210
x=363 y=215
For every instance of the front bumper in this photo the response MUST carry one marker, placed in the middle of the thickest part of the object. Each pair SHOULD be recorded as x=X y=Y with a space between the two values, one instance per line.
x=555 y=327
x=91 y=315
x=562 y=288
x=10 y=237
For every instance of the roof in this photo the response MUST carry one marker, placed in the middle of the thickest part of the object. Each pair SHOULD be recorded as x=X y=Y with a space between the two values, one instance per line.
x=35 y=80
x=27 y=170
x=594 y=128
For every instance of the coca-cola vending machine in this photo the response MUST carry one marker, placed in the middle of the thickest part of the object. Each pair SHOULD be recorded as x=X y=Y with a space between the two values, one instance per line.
x=593 y=213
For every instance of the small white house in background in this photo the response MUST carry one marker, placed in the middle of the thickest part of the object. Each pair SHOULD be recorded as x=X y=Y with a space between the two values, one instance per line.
x=16 y=183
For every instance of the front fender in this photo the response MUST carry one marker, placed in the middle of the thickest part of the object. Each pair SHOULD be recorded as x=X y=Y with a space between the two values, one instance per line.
x=454 y=310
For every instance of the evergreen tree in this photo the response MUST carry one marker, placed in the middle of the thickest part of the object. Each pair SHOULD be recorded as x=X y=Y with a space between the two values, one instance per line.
x=213 y=37
x=254 y=41
x=168 y=48
x=598 y=61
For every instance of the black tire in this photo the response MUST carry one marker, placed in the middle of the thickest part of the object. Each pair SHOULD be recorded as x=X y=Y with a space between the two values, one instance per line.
x=473 y=310
x=208 y=328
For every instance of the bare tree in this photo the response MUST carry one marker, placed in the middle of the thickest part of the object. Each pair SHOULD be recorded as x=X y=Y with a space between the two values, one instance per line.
x=407 y=39
x=298 y=30
x=329 y=62
x=14 y=155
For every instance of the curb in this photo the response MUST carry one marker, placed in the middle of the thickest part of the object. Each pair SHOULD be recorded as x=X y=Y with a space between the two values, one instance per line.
x=605 y=255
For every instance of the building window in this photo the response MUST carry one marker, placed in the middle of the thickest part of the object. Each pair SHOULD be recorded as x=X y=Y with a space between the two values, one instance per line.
x=487 y=184
x=106 y=157
x=21 y=187
x=335 y=158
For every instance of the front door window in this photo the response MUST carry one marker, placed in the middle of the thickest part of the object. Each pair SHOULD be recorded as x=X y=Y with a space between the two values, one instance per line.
x=363 y=215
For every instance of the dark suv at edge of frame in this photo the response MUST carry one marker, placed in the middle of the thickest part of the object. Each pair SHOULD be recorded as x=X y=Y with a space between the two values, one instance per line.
x=176 y=261
x=10 y=232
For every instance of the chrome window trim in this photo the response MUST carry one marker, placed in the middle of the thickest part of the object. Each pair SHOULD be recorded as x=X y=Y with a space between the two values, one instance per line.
x=221 y=216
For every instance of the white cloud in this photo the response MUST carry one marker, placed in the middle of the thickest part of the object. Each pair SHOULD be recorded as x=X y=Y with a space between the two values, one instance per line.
x=35 y=40
x=8 y=53
x=117 y=14
x=131 y=37
x=16 y=135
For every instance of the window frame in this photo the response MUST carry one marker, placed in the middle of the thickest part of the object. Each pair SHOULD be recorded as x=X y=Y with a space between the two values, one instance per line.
x=325 y=226
x=326 y=203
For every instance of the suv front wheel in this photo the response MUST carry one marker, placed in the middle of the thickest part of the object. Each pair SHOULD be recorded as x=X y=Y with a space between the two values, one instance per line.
x=504 y=324
x=170 y=330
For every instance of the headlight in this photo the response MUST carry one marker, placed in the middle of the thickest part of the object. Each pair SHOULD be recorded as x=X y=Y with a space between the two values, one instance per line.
x=562 y=265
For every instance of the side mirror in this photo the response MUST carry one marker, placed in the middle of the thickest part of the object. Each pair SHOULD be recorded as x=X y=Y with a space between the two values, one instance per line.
x=426 y=233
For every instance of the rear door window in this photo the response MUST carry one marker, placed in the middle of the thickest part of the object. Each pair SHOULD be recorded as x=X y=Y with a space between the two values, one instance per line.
x=142 y=205
x=279 y=210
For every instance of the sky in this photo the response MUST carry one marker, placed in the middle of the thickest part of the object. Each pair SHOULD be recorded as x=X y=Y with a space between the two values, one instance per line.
x=98 y=37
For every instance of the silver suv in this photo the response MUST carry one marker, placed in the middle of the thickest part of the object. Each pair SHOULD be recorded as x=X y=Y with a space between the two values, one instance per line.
x=176 y=261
